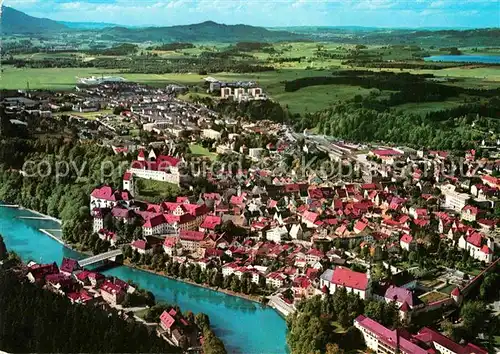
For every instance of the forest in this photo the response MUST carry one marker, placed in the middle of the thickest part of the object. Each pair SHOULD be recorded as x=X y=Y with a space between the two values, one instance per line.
x=365 y=120
x=33 y=320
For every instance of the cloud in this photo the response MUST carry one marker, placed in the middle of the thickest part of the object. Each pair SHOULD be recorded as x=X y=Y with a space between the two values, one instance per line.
x=386 y=13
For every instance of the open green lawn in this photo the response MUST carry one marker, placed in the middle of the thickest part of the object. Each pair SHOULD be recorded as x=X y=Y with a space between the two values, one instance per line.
x=89 y=115
x=150 y=190
x=198 y=150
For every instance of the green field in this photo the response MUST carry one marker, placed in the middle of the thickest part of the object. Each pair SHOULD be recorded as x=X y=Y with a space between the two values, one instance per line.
x=198 y=150
x=150 y=190
x=90 y=115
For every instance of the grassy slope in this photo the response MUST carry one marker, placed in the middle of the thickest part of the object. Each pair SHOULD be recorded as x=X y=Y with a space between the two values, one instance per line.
x=198 y=150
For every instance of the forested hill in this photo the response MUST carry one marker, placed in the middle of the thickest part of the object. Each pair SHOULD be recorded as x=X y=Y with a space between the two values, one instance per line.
x=33 y=320
x=14 y=21
x=205 y=31
x=385 y=36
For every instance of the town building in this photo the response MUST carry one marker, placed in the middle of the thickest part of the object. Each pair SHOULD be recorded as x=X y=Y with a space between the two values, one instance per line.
x=341 y=277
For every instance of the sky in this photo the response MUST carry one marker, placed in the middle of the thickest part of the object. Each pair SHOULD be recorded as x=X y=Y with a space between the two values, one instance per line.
x=271 y=13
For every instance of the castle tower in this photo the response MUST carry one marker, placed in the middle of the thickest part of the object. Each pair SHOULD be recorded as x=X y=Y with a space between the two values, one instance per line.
x=141 y=156
x=457 y=296
x=128 y=182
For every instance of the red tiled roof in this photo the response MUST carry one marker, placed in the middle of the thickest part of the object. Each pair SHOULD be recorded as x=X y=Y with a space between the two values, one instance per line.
x=406 y=238
x=170 y=241
x=405 y=307
x=430 y=337
x=386 y=152
x=69 y=265
x=473 y=210
x=191 y=235
x=360 y=226
x=140 y=244
x=348 y=278
x=154 y=221
x=110 y=288
x=388 y=336
x=475 y=239
x=127 y=176
x=485 y=249
x=211 y=222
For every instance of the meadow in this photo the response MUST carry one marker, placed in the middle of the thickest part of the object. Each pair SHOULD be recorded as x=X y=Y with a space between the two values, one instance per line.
x=291 y=61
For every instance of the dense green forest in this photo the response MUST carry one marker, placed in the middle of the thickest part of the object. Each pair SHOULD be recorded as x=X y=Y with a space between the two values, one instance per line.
x=365 y=120
x=38 y=321
x=49 y=187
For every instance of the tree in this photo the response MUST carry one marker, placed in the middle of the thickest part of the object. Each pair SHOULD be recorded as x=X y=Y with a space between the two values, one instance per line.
x=212 y=344
x=202 y=321
x=3 y=249
x=332 y=348
x=475 y=315
x=489 y=287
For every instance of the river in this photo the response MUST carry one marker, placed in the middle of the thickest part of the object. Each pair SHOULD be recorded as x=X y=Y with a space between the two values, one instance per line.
x=244 y=326
x=484 y=59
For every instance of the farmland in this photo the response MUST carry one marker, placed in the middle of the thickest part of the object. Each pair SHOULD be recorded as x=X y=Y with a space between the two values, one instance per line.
x=290 y=60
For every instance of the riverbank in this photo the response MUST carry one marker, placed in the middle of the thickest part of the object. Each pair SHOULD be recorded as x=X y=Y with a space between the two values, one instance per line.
x=127 y=263
x=243 y=326
x=45 y=217
x=253 y=298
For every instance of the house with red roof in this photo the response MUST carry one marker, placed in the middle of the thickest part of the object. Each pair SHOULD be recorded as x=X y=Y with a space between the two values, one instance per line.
x=191 y=240
x=491 y=181
x=479 y=246
x=38 y=272
x=302 y=287
x=128 y=182
x=487 y=224
x=112 y=293
x=360 y=227
x=275 y=279
x=141 y=246
x=69 y=266
x=210 y=223
x=469 y=213
x=170 y=244
x=407 y=242
x=170 y=224
x=107 y=197
x=108 y=236
x=388 y=156
x=341 y=277
x=310 y=218
x=83 y=297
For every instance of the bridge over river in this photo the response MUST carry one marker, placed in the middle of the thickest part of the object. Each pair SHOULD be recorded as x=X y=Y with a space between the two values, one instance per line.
x=110 y=255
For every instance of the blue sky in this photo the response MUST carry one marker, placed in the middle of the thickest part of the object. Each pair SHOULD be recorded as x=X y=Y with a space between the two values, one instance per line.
x=379 y=13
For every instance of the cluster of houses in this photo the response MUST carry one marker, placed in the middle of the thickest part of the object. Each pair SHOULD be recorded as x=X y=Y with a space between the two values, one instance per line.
x=79 y=285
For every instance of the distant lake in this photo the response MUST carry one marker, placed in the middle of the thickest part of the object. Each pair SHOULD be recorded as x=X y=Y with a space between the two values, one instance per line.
x=486 y=59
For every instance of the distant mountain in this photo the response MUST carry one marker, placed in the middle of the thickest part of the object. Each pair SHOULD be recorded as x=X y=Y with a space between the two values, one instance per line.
x=87 y=25
x=200 y=32
x=14 y=21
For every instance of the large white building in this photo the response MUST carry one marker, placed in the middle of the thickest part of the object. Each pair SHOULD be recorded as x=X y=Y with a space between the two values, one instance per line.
x=479 y=247
x=453 y=199
x=159 y=168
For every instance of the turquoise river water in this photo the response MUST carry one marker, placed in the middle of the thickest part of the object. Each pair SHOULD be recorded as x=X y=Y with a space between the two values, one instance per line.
x=244 y=326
